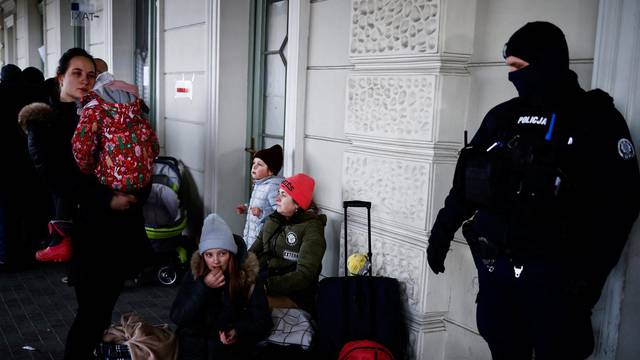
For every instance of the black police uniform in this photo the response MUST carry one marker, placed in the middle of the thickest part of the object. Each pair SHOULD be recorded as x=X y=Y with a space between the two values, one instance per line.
x=551 y=184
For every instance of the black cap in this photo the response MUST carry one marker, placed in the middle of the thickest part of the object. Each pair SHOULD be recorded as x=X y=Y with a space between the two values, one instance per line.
x=272 y=157
x=539 y=42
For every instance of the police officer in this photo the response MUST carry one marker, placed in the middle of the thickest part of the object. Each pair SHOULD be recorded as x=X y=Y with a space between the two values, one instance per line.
x=547 y=189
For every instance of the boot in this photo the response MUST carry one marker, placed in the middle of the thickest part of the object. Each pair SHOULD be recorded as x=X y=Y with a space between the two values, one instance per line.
x=59 y=249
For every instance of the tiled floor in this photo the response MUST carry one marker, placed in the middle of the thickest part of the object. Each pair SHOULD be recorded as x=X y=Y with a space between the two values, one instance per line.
x=36 y=310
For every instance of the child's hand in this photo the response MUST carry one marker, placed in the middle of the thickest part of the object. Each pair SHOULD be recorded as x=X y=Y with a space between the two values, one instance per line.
x=228 y=337
x=256 y=212
x=241 y=209
x=214 y=279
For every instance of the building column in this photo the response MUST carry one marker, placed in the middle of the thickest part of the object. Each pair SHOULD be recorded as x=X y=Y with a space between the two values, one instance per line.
x=29 y=34
x=119 y=38
x=407 y=99
x=58 y=33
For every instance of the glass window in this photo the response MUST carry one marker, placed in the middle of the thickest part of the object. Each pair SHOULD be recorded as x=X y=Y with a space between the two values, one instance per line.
x=270 y=74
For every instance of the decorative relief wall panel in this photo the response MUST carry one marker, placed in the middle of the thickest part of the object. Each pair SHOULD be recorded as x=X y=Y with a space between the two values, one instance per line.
x=394 y=27
x=397 y=187
x=395 y=107
x=393 y=259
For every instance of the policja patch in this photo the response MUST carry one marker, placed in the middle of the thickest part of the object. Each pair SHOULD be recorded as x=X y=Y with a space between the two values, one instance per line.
x=625 y=149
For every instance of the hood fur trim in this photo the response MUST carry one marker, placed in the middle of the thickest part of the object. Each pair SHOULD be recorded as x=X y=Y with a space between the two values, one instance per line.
x=248 y=270
x=35 y=112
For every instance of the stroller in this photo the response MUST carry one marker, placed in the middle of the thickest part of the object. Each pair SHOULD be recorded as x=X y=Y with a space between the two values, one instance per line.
x=165 y=219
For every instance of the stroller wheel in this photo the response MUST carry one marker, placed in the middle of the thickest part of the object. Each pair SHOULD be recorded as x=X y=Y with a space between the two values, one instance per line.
x=167 y=275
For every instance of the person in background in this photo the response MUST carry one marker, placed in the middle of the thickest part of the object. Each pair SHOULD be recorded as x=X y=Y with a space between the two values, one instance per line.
x=264 y=170
x=23 y=198
x=10 y=86
x=34 y=85
x=221 y=308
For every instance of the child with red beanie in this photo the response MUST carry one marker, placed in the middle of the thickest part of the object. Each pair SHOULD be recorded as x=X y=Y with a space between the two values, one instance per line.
x=291 y=246
x=264 y=172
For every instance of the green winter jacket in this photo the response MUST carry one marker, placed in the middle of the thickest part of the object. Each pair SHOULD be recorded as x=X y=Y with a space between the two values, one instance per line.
x=291 y=251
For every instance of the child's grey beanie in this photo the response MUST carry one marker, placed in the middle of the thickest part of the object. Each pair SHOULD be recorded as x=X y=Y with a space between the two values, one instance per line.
x=216 y=234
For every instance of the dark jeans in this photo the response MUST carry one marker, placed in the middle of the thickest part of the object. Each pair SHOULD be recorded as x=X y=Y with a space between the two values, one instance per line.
x=63 y=208
x=96 y=298
x=532 y=313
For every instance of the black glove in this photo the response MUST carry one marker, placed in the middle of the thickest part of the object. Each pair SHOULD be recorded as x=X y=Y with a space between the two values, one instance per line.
x=435 y=257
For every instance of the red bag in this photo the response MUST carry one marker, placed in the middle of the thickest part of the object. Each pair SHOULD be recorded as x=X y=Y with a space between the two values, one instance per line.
x=364 y=350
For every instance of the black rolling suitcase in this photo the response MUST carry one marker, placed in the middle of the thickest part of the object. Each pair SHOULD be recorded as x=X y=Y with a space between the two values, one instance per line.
x=359 y=307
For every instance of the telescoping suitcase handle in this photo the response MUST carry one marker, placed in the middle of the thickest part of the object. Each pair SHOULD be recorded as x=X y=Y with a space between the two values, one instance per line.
x=360 y=204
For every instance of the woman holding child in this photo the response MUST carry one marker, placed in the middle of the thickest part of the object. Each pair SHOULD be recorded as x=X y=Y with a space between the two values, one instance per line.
x=109 y=240
x=291 y=246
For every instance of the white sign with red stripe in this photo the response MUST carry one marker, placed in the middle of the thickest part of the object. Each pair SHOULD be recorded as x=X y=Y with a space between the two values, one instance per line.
x=184 y=89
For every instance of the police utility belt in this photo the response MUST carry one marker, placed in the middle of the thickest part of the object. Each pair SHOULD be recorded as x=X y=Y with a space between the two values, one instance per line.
x=516 y=175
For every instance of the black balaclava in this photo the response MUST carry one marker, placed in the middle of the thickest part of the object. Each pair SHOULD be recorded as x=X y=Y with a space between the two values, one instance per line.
x=544 y=47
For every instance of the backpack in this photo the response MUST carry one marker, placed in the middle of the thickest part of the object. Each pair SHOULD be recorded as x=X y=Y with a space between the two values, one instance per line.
x=364 y=350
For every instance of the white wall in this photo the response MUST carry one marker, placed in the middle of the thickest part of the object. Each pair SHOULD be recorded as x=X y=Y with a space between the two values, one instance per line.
x=29 y=34
x=325 y=142
x=207 y=41
x=497 y=19
x=616 y=318
x=229 y=136
x=183 y=121
x=95 y=32
x=122 y=42
x=58 y=33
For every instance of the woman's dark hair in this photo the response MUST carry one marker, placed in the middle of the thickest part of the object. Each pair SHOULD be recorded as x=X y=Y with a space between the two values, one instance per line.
x=65 y=59
x=233 y=275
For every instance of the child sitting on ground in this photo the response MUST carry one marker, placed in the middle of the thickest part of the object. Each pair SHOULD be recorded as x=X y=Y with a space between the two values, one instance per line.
x=266 y=165
x=113 y=141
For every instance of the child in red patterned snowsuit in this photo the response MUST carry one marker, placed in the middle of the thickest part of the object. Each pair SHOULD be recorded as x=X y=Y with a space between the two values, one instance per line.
x=113 y=141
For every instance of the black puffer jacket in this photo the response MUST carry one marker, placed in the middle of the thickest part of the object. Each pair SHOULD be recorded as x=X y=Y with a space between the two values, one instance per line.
x=49 y=130
x=200 y=312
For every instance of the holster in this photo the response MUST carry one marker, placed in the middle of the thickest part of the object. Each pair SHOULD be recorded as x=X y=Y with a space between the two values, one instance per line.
x=480 y=246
